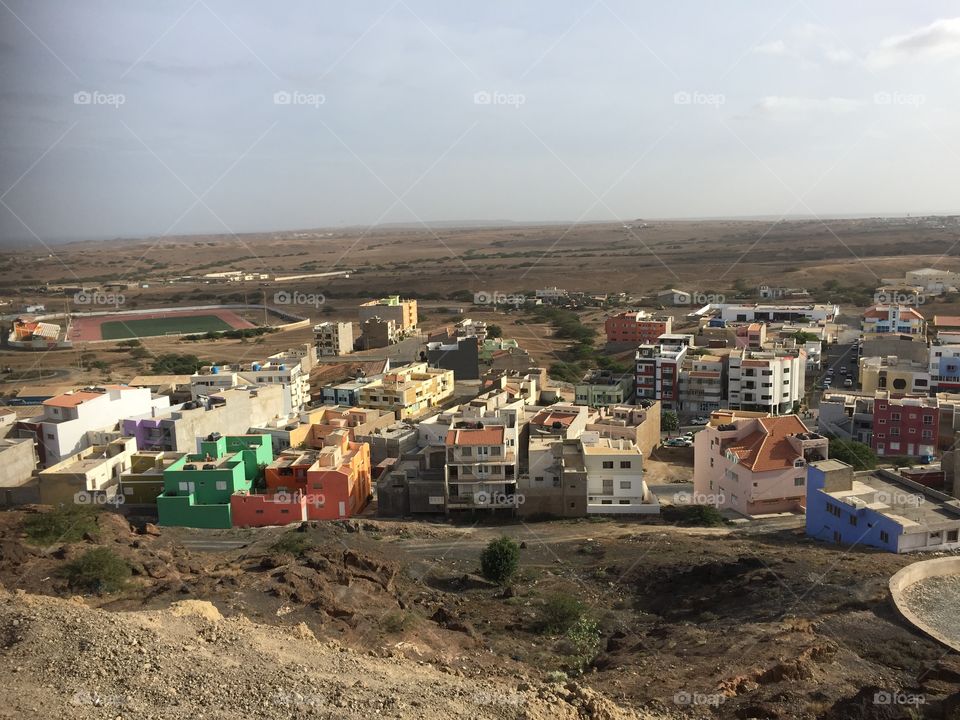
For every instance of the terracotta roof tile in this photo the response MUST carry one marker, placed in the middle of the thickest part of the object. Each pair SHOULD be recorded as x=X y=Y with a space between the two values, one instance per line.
x=768 y=448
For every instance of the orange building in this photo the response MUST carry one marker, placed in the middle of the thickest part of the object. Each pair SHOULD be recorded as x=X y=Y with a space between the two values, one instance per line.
x=335 y=480
x=636 y=327
x=253 y=510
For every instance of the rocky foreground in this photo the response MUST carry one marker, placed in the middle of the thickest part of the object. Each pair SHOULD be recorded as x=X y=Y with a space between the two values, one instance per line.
x=63 y=659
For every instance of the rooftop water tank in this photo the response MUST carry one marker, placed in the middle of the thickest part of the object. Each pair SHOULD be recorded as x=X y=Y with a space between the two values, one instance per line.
x=282 y=367
x=215 y=370
x=256 y=366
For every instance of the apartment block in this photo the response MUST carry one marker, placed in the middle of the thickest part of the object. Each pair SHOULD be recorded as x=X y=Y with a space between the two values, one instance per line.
x=895 y=375
x=62 y=431
x=754 y=312
x=658 y=373
x=601 y=388
x=377 y=332
x=89 y=477
x=636 y=327
x=461 y=355
x=878 y=508
x=905 y=426
x=556 y=484
x=767 y=380
x=944 y=368
x=614 y=470
x=638 y=424
x=197 y=488
x=481 y=462
x=142 y=483
x=289 y=370
x=408 y=390
x=703 y=383
x=333 y=338
x=892 y=319
x=310 y=428
x=754 y=465
x=403 y=313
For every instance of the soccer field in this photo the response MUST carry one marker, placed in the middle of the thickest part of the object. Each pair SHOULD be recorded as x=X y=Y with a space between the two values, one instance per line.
x=149 y=327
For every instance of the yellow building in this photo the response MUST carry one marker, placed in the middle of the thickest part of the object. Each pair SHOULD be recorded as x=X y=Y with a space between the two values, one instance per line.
x=895 y=375
x=408 y=390
x=402 y=312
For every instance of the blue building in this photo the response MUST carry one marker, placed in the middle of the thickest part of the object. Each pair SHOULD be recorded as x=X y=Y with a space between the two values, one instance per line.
x=878 y=508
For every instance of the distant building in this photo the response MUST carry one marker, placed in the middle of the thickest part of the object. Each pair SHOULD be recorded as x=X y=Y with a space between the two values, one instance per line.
x=403 y=313
x=766 y=380
x=601 y=388
x=768 y=292
x=408 y=390
x=376 y=332
x=334 y=338
x=461 y=355
x=636 y=327
x=89 y=477
x=658 y=373
x=895 y=375
x=779 y=313
x=892 y=319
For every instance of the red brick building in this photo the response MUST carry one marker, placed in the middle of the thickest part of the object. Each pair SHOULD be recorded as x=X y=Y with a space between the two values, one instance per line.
x=905 y=426
x=636 y=327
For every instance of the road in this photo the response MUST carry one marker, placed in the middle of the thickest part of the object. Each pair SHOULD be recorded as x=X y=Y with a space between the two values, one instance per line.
x=839 y=361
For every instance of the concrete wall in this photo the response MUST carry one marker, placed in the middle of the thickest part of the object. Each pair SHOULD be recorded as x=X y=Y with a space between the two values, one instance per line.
x=912 y=574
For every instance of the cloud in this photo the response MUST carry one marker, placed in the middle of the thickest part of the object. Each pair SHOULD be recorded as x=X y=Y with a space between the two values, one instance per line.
x=808 y=44
x=791 y=104
x=774 y=47
x=940 y=40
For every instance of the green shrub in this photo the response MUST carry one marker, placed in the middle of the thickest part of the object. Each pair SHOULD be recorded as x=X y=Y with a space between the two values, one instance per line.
x=499 y=560
x=696 y=515
x=98 y=570
x=560 y=613
x=396 y=621
x=585 y=641
x=61 y=526
x=295 y=543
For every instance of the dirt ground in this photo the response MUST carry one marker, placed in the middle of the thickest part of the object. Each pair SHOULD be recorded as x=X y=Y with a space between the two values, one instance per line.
x=701 y=622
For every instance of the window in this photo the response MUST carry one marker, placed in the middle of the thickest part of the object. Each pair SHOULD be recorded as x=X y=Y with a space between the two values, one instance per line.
x=624 y=464
x=221 y=484
x=608 y=486
x=928 y=419
x=608 y=464
x=183 y=487
x=538 y=478
x=625 y=484
x=894 y=416
x=853 y=520
x=798 y=481
x=466 y=452
x=49 y=436
x=884 y=536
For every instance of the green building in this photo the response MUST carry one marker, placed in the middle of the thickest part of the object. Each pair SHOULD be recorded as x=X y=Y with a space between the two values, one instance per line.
x=197 y=488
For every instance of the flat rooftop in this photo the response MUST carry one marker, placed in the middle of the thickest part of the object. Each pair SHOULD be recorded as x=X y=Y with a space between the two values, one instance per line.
x=908 y=506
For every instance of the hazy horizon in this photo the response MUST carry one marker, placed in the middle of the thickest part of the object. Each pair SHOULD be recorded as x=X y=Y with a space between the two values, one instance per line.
x=210 y=117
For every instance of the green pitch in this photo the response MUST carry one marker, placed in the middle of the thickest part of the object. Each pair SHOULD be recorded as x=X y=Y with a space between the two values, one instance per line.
x=149 y=327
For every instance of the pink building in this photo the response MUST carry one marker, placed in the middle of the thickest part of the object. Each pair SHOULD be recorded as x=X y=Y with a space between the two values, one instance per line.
x=754 y=464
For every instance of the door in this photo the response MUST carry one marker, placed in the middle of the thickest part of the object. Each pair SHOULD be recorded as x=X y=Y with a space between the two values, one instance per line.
x=343 y=509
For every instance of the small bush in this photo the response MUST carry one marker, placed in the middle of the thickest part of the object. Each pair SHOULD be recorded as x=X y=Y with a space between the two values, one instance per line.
x=694 y=515
x=396 y=621
x=499 y=560
x=294 y=543
x=585 y=641
x=560 y=613
x=61 y=526
x=97 y=570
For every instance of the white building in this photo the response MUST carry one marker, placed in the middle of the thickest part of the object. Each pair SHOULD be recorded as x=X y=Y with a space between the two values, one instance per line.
x=69 y=417
x=334 y=338
x=780 y=313
x=615 y=482
x=481 y=460
x=766 y=380
x=290 y=370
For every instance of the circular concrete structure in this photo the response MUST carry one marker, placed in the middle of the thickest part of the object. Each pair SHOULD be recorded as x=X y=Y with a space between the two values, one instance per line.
x=927 y=594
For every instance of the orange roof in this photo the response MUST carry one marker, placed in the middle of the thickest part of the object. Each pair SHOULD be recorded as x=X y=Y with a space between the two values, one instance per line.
x=546 y=417
x=475 y=436
x=946 y=320
x=71 y=399
x=880 y=311
x=768 y=447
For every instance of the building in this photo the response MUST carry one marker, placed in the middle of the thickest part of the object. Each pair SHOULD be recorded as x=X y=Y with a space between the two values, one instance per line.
x=551 y=294
x=766 y=380
x=614 y=469
x=600 y=388
x=556 y=485
x=18 y=458
x=905 y=426
x=933 y=281
x=290 y=370
x=847 y=415
x=777 y=313
x=892 y=320
x=754 y=465
x=562 y=420
x=672 y=296
x=947 y=329
x=944 y=368
x=142 y=483
x=703 y=383
x=393 y=441
x=335 y=480
x=460 y=354
x=89 y=477
x=638 y=424
x=658 y=373
x=176 y=387
x=378 y=333
x=310 y=428
x=197 y=488
x=636 y=327
x=481 y=461
x=878 y=508
x=333 y=338
x=63 y=429
x=229 y=412
x=408 y=390
x=403 y=313
x=894 y=374
x=768 y=292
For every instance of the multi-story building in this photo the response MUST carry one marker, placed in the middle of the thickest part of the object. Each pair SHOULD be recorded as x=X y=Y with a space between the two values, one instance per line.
x=408 y=390
x=460 y=354
x=639 y=424
x=658 y=373
x=847 y=415
x=614 y=469
x=703 y=383
x=754 y=464
x=944 y=368
x=481 y=461
x=376 y=332
x=310 y=428
x=556 y=484
x=230 y=412
x=290 y=370
x=892 y=320
x=63 y=429
x=947 y=329
x=777 y=313
x=562 y=420
x=636 y=327
x=601 y=388
x=766 y=380
x=932 y=280
x=878 y=508
x=89 y=477
x=142 y=483
x=402 y=312
x=905 y=426
x=334 y=338
x=894 y=374
x=197 y=487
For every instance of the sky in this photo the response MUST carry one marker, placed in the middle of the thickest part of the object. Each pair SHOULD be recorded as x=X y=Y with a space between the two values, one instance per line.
x=128 y=119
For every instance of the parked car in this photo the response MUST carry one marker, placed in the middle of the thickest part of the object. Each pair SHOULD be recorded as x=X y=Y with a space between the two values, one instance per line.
x=700 y=420
x=848 y=383
x=679 y=442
